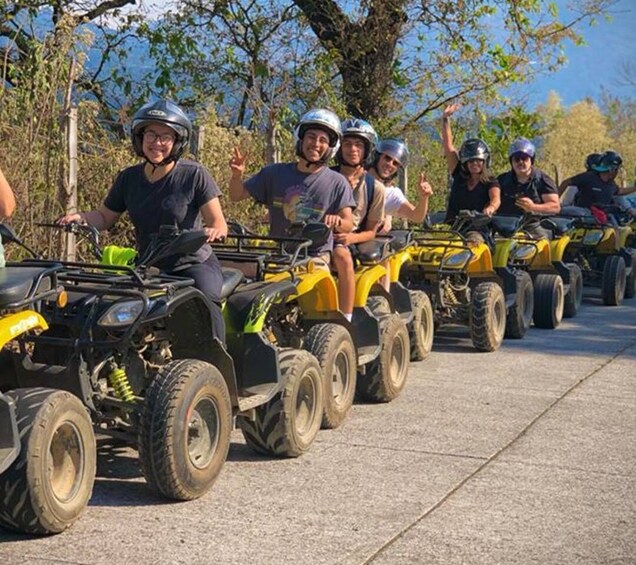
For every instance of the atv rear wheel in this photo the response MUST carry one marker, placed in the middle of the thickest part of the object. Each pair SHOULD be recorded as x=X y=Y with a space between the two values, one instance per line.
x=614 y=281
x=48 y=486
x=421 y=327
x=487 y=316
x=385 y=376
x=574 y=297
x=287 y=425
x=184 y=433
x=333 y=347
x=548 y=301
x=520 y=314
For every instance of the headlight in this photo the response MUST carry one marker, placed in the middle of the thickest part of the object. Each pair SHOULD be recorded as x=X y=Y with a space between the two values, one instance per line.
x=524 y=252
x=592 y=237
x=121 y=314
x=457 y=260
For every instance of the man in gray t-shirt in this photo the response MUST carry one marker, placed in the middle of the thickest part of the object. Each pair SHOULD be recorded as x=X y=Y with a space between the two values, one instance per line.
x=306 y=190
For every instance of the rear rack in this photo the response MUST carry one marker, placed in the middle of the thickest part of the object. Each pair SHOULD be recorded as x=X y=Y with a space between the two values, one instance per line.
x=269 y=254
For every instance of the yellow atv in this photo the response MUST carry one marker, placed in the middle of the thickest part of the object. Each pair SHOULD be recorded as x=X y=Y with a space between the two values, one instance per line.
x=459 y=278
x=308 y=316
x=598 y=248
x=381 y=322
x=47 y=445
x=417 y=302
x=540 y=288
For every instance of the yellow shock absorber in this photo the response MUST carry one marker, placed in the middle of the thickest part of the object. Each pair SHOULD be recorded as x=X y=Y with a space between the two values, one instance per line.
x=119 y=381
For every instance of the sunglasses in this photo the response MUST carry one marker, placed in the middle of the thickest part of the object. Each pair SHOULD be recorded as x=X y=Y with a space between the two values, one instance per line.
x=520 y=158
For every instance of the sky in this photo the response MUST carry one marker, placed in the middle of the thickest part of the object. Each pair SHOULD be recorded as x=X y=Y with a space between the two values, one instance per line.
x=594 y=66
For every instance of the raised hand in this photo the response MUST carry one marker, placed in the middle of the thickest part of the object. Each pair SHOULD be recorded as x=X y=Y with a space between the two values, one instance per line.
x=425 y=189
x=450 y=110
x=237 y=162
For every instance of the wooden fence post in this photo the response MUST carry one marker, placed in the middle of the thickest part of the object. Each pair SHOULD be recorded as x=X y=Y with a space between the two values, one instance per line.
x=70 y=253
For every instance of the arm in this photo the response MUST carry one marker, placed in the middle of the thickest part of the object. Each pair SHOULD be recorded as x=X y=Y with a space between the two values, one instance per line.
x=450 y=152
x=416 y=214
x=237 y=187
x=102 y=218
x=7 y=198
x=494 y=193
x=216 y=226
x=550 y=204
x=626 y=190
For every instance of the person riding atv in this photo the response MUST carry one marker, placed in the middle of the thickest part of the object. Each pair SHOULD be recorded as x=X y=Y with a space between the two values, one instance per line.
x=167 y=190
x=596 y=188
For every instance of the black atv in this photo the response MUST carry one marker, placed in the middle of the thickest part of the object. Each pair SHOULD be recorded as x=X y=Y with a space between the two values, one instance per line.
x=136 y=346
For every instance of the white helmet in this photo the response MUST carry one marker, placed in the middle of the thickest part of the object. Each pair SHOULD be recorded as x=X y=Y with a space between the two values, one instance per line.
x=322 y=119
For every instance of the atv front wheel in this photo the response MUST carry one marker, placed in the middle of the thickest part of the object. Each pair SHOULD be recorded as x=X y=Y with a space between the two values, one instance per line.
x=48 y=486
x=385 y=376
x=548 y=301
x=421 y=327
x=520 y=314
x=333 y=346
x=614 y=281
x=574 y=297
x=287 y=425
x=184 y=433
x=487 y=316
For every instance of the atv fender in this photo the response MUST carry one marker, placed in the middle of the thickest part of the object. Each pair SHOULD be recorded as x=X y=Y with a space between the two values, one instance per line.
x=558 y=246
x=14 y=325
x=481 y=261
x=366 y=279
x=245 y=310
x=396 y=262
x=542 y=259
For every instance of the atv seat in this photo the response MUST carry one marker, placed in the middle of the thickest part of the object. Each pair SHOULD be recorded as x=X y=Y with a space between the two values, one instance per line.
x=401 y=239
x=506 y=226
x=559 y=226
x=17 y=282
x=373 y=251
x=231 y=279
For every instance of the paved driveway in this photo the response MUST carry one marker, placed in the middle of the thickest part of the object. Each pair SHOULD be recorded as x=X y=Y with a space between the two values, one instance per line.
x=526 y=455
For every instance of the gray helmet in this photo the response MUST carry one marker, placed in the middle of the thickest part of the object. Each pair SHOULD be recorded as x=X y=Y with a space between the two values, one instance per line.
x=395 y=148
x=522 y=146
x=322 y=119
x=355 y=127
x=168 y=114
x=474 y=148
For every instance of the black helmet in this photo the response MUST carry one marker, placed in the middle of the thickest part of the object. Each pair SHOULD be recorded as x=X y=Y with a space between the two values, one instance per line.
x=168 y=114
x=610 y=161
x=474 y=148
x=592 y=161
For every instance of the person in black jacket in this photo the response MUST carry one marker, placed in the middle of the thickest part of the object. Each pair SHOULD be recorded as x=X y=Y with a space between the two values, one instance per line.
x=527 y=189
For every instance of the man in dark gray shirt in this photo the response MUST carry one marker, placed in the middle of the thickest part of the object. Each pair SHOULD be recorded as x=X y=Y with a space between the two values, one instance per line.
x=306 y=190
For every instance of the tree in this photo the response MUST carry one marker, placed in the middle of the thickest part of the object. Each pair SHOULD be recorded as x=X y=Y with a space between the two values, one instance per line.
x=570 y=135
x=427 y=54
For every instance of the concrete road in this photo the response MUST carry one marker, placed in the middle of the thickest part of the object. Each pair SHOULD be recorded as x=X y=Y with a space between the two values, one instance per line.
x=526 y=455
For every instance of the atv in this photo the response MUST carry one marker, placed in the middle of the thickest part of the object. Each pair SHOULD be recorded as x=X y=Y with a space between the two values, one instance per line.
x=599 y=249
x=459 y=277
x=540 y=287
x=310 y=317
x=47 y=445
x=136 y=347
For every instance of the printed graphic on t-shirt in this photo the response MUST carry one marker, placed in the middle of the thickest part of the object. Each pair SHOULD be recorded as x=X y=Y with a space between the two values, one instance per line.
x=297 y=205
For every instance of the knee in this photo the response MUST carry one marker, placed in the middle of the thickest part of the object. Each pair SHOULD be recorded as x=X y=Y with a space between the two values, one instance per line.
x=342 y=259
